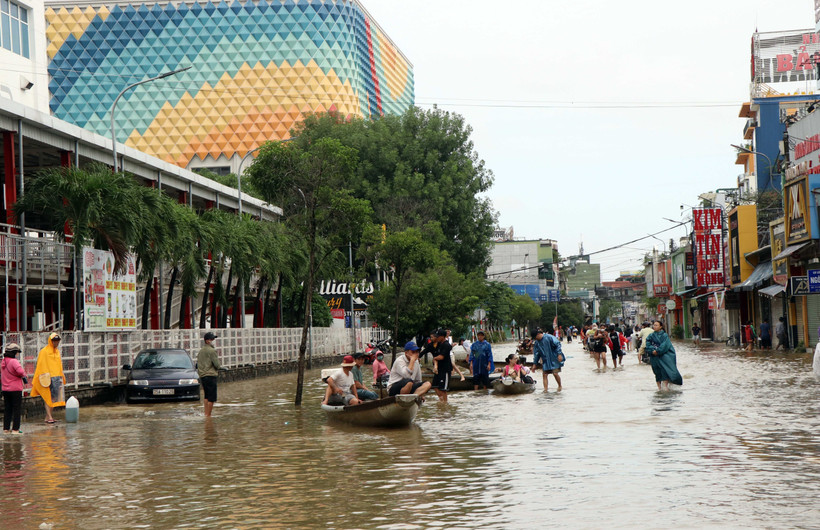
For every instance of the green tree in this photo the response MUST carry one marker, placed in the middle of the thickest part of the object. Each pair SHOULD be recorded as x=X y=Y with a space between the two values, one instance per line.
x=525 y=311
x=402 y=253
x=498 y=302
x=570 y=313
x=309 y=180
x=417 y=168
x=610 y=308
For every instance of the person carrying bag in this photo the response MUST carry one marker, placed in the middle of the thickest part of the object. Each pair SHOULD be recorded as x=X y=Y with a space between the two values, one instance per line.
x=49 y=380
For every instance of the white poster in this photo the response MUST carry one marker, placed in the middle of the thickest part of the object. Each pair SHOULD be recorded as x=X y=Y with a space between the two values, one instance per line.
x=110 y=299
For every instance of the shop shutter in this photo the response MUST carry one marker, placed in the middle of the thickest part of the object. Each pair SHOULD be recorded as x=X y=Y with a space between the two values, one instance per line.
x=814 y=318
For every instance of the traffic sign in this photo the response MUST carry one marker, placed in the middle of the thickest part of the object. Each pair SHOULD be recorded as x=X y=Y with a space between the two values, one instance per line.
x=671 y=305
x=814 y=281
x=554 y=295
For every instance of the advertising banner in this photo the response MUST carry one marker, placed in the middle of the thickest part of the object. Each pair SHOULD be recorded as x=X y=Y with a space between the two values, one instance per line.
x=798 y=224
x=784 y=56
x=337 y=295
x=777 y=235
x=708 y=231
x=110 y=300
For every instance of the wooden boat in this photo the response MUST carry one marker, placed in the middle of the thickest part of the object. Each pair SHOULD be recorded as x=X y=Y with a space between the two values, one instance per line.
x=393 y=411
x=509 y=386
x=456 y=384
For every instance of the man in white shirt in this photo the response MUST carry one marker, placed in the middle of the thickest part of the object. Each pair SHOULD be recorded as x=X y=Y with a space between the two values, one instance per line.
x=341 y=387
x=405 y=374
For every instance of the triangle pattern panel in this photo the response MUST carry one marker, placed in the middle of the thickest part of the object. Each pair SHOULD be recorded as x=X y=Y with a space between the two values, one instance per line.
x=328 y=54
x=229 y=117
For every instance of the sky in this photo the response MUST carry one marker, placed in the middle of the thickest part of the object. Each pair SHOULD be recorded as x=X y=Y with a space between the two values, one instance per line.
x=550 y=89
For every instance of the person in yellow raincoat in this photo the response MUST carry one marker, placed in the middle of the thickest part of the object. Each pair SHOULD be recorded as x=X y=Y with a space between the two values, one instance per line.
x=50 y=363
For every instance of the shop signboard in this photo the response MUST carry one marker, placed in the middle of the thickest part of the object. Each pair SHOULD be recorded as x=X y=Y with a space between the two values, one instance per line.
x=784 y=56
x=110 y=298
x=799 y=285
x=661 y=309
x=708 y=231
x=690 y=261
x=777 y=235
x=798 y=222
x=337 y=295
x=661 y=290
x=814 y=281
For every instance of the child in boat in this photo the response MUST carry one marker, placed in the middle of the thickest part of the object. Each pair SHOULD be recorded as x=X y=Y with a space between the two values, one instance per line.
x=513 y=369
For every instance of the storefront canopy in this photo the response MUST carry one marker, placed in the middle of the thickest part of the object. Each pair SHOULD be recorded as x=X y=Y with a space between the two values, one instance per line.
x=761 y=273
x=788 y=251
x=772 y=290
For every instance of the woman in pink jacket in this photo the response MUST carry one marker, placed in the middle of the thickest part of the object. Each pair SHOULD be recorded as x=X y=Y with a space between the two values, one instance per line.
x=12 y=377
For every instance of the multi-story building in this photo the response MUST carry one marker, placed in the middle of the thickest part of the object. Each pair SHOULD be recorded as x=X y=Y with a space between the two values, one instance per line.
x=528 y=266
x=256 y=68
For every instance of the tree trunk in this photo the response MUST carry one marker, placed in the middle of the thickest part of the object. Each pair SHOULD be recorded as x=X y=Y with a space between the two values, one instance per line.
x=396 y=327
x=174 y=274
x=236 y=321
x=204 y=313
x=300 y=378
x=257 y=314
x=68 y=300
x=182 y=311
x=224 y=316
x=146 y=303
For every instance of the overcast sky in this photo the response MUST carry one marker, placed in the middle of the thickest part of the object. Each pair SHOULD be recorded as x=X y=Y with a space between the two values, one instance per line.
x=564 y=170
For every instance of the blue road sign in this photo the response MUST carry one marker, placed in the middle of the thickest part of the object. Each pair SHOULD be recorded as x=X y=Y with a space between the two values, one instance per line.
x=554 y=295
x=542 y=297
x=814 y=281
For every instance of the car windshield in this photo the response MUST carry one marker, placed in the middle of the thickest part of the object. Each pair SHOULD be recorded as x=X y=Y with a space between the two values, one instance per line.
x=163 y=359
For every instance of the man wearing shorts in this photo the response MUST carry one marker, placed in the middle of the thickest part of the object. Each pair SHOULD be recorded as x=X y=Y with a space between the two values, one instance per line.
x=341 y=386
x=696 y=333
x=207 y=364
x=547 y=351
x=405 y=375
x=443 y=365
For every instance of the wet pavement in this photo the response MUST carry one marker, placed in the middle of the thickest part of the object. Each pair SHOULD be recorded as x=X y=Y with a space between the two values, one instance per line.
x=736 y=446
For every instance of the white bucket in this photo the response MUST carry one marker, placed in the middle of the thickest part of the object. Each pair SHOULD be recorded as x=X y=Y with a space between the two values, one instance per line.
x=72 y=410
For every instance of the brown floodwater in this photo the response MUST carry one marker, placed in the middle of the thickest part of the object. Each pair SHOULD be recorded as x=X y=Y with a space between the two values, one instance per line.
x=736 y=446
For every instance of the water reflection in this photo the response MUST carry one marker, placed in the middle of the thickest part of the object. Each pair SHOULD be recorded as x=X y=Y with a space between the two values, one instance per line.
x=618 y=452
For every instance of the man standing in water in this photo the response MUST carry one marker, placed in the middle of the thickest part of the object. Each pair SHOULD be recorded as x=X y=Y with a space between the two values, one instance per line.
x=207 y=364
x=547 y=351
x=444 y=365
x=481 y=362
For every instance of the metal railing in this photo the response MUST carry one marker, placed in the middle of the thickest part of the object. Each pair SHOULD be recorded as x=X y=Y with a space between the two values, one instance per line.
x=96 y=358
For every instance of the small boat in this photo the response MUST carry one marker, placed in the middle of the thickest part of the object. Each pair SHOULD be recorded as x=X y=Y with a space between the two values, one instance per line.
x=393 y=411
x=456 y=384
x=510 y=386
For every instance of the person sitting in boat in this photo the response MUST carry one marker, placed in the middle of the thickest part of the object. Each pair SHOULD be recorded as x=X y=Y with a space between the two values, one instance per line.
x=405 y=375
x=362 y=392
x=525 y=346
x=380 y=372
x=481 y=359
x=513 y=369
x=525 y=371
x=341 y=387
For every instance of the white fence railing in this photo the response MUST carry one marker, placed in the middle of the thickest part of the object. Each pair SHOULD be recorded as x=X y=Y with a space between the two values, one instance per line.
x=96 y=358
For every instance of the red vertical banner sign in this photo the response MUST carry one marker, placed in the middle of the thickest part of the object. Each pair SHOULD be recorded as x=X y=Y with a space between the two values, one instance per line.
x=709 y=262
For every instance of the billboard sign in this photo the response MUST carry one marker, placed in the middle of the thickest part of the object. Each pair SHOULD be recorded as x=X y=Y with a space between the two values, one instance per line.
x=798 y=222
x=777 y=235
x=110 y=299
x=814 y=281
x=784 y=56
x=799 y=285
x=708 y=230
x=337 y=295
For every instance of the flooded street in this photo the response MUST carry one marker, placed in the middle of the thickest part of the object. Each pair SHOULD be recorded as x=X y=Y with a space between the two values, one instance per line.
x=736 y=447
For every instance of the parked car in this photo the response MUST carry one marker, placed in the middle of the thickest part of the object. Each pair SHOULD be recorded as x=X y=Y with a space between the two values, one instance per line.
x=162 y=374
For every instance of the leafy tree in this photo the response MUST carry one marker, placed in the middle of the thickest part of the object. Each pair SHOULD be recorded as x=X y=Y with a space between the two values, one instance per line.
x=525 y=311
x=498 y=301
x=309 y=180
x=610 y=308
x=402 y=253
x=417 y=168
x=570 y=313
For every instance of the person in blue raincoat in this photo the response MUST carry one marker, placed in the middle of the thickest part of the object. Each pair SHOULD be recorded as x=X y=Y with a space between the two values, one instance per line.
x=662 y=357
x=547 y=351
x=481 y=359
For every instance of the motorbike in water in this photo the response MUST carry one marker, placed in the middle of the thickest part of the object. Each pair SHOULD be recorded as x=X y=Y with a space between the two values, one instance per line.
x=372 y=350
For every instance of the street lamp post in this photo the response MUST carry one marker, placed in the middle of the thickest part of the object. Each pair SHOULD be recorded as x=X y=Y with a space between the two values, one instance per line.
x=769 y=160
x=123 y=91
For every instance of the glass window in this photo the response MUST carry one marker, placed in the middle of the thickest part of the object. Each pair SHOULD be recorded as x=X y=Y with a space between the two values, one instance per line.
x=14 y=34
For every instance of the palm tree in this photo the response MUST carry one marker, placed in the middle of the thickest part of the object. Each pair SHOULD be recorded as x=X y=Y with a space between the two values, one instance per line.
x=99 y=208
x=153 y=244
